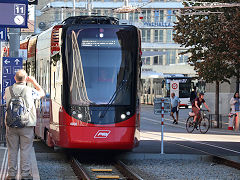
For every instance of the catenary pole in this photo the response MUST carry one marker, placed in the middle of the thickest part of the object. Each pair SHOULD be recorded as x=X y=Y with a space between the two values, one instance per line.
x=74 y=8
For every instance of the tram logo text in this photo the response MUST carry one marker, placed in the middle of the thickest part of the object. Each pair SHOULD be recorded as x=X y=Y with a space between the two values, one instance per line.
x=102 y=134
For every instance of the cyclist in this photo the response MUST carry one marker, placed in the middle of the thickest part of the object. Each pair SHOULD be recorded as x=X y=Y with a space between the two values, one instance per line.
x=196 y=106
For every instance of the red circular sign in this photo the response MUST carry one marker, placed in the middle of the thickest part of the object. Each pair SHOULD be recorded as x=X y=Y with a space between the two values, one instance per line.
x=174 y=85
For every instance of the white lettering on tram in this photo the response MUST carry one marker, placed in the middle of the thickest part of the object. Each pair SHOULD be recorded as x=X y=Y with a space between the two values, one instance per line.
x=102 y=134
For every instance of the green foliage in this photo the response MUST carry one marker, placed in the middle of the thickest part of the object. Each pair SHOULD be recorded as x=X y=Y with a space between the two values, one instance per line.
x=212 y=37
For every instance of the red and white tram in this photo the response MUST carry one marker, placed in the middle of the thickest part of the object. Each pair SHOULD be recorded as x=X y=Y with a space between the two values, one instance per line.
x=90 y=69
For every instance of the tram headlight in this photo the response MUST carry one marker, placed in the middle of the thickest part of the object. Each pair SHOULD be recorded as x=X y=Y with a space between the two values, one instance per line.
x=80 y=116
x=123 y=116
x=128 y=113
x=101 y=35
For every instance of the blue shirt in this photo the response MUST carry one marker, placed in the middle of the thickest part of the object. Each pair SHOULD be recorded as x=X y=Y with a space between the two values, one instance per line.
x=236 y=104
x=175 y=101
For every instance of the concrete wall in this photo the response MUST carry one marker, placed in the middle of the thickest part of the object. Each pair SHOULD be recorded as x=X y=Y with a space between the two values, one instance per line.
x=224 y=99
x=226 y=93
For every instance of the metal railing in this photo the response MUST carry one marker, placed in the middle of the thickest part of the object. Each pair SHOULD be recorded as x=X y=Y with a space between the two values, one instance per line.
x=220 y=123
x=2 y=124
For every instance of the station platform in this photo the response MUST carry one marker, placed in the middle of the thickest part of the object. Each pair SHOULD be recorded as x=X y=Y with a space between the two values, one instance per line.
x=4 y=164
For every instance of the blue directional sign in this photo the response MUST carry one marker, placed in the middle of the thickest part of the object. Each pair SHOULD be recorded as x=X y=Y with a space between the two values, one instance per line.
x=3 y=34
x=9 y=69
x=13 y=13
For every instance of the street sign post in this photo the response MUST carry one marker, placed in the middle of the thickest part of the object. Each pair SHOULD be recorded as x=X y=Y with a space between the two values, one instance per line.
x=174 y=87
x=9 y=68
x=162 y=106
x=158 y=106
x=13 y=13
x=3 y=34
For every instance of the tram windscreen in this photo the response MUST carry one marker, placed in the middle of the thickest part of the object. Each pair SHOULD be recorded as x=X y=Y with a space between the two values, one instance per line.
x=100 y=65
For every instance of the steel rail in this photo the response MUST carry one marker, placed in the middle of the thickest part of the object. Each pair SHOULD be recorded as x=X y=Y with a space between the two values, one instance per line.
x=126 y=171
x=79 y=170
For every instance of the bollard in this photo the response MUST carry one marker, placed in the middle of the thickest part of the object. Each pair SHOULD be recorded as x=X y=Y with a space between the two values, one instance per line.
x=230 y=120
x=237 y=121
x=162 y=124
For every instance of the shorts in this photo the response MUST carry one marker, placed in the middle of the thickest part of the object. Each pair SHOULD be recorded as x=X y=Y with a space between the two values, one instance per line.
x=195 y=110
x=174 y=109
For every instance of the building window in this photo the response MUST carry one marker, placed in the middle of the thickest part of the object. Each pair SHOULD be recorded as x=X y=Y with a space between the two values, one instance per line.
x=155 y=60
x=161 y=17
x=148 y=16
x=169 y=36
x=170 y=57
x=106 y=13
x=135 y=18
x=173 y=58
x=158 y=35
x=160 y=60
x=148 y=35
x=169 y=17
x=174 y=18
x=131 y=17
x=156 y=15
x=145 y=35
x=183 y=58
x=148 y=60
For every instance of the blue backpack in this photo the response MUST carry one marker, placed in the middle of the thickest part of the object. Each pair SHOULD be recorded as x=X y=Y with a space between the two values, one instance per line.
x=17 y=111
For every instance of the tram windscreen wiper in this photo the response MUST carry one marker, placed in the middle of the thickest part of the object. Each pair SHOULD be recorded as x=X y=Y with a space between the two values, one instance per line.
x=103 y=113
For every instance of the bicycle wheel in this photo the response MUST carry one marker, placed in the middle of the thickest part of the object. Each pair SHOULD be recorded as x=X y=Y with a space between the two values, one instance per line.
x=190 y=124
x=204 y=125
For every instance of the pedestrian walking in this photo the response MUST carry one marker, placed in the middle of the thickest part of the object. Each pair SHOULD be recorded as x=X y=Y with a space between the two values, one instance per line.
x=193 y=95
x=175 y=103
x=19 y=128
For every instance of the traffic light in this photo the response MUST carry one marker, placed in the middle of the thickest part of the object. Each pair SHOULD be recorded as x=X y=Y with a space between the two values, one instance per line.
x=30 y=2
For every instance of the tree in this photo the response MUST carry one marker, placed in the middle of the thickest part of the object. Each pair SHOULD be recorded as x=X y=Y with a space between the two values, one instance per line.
x=204 y=33
x=231 y=37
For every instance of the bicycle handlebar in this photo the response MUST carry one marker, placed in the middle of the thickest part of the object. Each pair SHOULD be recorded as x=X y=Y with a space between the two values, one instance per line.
x=203 y=110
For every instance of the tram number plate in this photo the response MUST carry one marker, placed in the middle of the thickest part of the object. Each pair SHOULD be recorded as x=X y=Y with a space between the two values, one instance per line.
x=158 y=105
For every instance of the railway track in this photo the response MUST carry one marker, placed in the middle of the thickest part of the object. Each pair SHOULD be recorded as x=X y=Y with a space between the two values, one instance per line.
x=103 y=170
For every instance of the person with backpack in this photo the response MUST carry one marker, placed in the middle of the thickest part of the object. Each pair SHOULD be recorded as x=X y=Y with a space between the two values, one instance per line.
x=20 y=120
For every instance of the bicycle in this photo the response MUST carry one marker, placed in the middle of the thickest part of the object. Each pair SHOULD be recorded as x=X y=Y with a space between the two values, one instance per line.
x=203 y=123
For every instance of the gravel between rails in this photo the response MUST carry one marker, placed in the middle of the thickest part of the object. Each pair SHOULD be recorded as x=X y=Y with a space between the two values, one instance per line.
x=55 y=170
x=182 y=170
